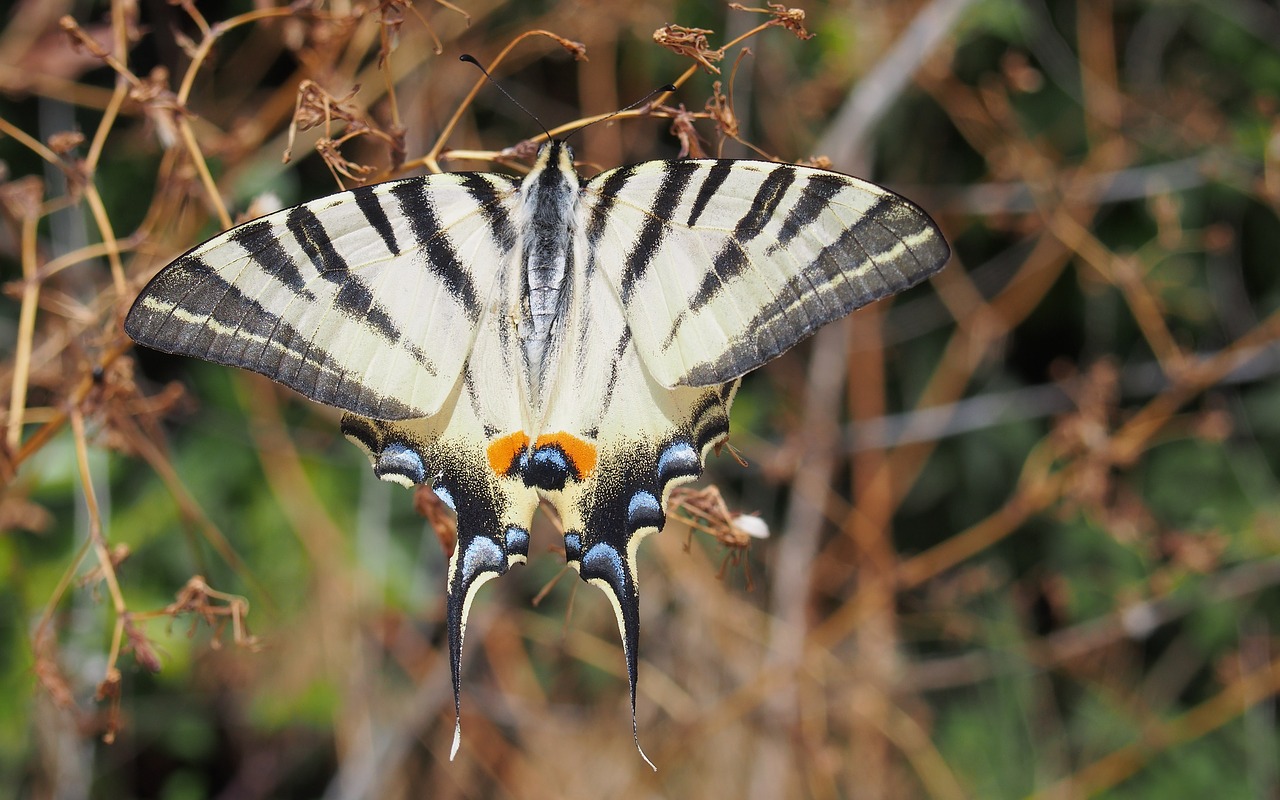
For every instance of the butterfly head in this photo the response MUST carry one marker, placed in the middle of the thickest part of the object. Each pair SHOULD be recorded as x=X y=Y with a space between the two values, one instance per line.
x=555 y=155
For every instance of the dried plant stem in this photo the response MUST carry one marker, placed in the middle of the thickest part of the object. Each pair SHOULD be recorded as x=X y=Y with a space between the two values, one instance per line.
x=206 y=177
x=1126 y=276
x=59 y=591
x=33 y=444
x=215 y=32
x=790 y=576
x=867 y=533
x=181 y=117
x=55 y=265
x=26 y=334
x=1103 y=100
x=846 y=137
x=430 y=160
x=1193 y=378
x=388 y=80
x=43 y=85
x=109 y=115
x=96 y=538
x=106 y=567
x=316 y=530
x=914 y=742
x=1038 y=489
x=99 y=212
x=29 y=142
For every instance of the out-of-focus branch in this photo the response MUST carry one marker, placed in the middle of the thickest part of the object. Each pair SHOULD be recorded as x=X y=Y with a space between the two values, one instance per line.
x=1134 y=622
x=1032 y=402
x=846 y=138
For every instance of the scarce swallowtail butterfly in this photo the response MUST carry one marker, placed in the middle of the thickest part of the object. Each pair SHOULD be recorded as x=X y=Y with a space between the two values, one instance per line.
x=503 y=340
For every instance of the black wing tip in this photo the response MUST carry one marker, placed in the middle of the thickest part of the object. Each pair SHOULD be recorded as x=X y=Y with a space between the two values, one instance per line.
x=133 y=328
x=142 y=329
x=932 y=256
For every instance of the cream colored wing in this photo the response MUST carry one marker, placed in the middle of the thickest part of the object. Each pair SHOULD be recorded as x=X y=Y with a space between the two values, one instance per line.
x=722 y=265
x=366 y=300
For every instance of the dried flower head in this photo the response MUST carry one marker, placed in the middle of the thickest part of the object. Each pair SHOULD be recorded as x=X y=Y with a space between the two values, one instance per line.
x=791 y=19
x=682 y=128
x=691 y=43
x=64 y=142
x=720 y=107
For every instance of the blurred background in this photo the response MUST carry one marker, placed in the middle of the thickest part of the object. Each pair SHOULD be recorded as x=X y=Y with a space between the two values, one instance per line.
x=1024 y=519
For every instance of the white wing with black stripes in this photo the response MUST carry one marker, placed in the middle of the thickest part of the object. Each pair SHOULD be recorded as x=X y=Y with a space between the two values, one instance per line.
x=723 y=265
x=367 y=300
x=504 y=341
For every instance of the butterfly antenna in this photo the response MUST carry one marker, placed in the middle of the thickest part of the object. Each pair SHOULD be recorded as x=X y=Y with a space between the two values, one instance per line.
x=660 y=90
x=470 y=59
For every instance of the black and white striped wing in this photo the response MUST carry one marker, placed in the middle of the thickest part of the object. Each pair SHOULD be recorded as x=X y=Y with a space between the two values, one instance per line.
x=722 y=265
x=367 y=300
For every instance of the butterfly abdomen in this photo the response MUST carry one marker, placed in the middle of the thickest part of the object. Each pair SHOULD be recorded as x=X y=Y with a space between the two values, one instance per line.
x=550 y=196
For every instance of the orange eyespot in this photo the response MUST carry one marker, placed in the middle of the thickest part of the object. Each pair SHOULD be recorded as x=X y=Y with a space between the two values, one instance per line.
x=504 y=452
x=579 y=451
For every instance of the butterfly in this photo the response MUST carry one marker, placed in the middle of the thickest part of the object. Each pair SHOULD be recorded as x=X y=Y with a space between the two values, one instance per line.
x=503 y=340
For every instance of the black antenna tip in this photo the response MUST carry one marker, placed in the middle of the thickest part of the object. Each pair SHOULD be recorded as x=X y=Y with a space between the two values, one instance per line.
x=470 y=59
x=670 y=87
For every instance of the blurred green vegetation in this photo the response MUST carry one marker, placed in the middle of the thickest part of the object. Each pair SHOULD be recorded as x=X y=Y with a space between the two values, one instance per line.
x=1029 y=547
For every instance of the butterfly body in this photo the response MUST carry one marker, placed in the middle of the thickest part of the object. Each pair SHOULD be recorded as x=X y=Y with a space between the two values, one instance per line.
x=549 y=199
x=505 y=341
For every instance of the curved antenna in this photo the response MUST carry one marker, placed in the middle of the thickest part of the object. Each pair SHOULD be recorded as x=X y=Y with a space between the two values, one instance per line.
x=470 y=59
x=664 y=89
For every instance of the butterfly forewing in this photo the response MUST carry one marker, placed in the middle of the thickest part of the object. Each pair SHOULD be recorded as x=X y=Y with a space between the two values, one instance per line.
x=366 y=300
x=722 y=265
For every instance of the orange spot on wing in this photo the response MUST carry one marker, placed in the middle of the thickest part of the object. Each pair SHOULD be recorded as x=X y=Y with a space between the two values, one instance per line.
x=504 y=452
x=579 y=451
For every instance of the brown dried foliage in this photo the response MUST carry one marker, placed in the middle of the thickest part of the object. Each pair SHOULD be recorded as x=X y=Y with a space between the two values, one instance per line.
x=690 y=43
x=807 y=688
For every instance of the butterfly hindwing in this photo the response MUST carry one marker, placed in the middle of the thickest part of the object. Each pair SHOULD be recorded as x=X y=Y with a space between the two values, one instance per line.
x=722 y=265
x=494 y=509
x=366 y=300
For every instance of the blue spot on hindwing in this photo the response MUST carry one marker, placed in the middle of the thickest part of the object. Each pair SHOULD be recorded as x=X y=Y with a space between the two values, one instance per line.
x=603 y=561
x=679 y=459
x=547 y=469
x=482 y=555
x=398 y=458
x=444 y=494
x=517 y=541
x=572 y=546
x=644 y=511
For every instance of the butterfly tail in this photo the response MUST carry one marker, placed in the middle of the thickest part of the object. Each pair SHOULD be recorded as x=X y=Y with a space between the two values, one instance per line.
x=610 y=568
x=476 y=559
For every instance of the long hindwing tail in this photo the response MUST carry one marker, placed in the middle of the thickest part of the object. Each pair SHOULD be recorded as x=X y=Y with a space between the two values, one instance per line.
x=494 y=511
x=366 y=300
x=722 y=265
